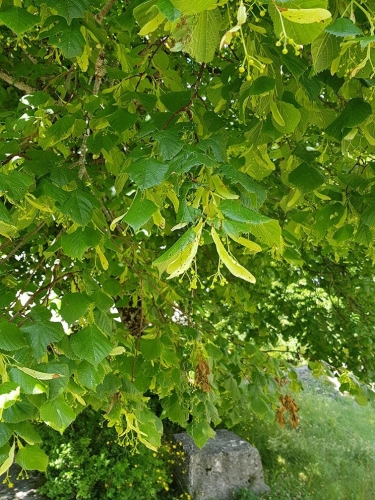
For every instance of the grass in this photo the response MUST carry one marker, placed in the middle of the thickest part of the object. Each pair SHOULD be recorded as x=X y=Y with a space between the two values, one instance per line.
x=331 y=456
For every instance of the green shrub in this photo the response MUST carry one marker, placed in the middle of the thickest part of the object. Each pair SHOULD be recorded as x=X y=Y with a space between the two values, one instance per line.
x=87 y=463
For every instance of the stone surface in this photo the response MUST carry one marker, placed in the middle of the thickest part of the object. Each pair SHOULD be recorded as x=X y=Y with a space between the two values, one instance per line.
x=23 y=489
x=223 y=465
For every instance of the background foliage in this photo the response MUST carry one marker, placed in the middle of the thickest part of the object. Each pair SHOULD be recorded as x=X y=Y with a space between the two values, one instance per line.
x=183 y=185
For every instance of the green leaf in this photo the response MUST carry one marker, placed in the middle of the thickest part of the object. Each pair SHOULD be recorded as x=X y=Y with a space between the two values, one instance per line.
x=11 y=339
x=182 y=261
x=213 y=351
x=368 y=216
x=205 y=38
x=179 y=246
x=302 y=34
x=238 y=177
x=259 y=406
x=327 y=217
x=295 y=65
x=151 y=428
x=175 y=101
x=148 y=16
x=59 y=380
x=57 y=414
x=305 y=16
x=201 y=432
x=19 y=412
x=69 y=9
x=355 y=112
x=9 y=460
x=4 y=214
x=306 y=178
x=343 y=27
x=28 y=384
x=324 y=50
x=151 y=348
x=80 y=207
x=74 y=306
x=186 y=160
x=9 y=394
x=27 y=432
x=139 y=213
x=60 y=130
x=91 y=345
x=148 y=101
x=31 y=457
x=261 y=85
x=101 y=141
x=194 y=6
x=41 y=334
x=268 y=233
x=167 y=8
x=169 y=144
x=102 y=321
x=19 y=20
x=89 y=375
x=173 y=409
x=15 y=185
x=75 y=244
x=66 y=37
x=5 y=434
x=122 y=120
x=365 y=40
x=290 y=115
x=186 y=214
x=235 y=211
x=147 y=173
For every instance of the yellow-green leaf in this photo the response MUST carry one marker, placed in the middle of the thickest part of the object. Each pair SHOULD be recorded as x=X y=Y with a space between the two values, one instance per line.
x=305 y=16
x=8 y=461
x=276 y=114
x=39 y=375
x=186 y=257
x=117 y=351
x=102 y=258
x=230 y=262
x=251 y=245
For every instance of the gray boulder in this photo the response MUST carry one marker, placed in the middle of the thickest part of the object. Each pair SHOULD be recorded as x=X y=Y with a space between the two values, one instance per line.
x=222 y=466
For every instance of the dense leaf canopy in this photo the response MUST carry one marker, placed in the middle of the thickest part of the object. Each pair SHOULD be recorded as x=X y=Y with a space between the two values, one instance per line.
x=187 y=187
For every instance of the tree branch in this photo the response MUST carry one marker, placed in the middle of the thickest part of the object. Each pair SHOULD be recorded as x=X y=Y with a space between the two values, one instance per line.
x=27 y=89
x=107 y=7
x=99 y=74
x=22 y=242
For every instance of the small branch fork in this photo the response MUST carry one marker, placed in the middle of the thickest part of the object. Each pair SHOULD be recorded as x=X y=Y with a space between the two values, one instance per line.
x=195 y=95
x=47 y=287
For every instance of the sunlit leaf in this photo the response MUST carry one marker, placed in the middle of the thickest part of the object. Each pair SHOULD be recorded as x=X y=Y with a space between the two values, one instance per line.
x=230 y=263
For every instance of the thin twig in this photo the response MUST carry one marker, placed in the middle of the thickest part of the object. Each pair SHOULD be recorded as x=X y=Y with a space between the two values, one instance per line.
x=22 y=242
x=41 y=290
